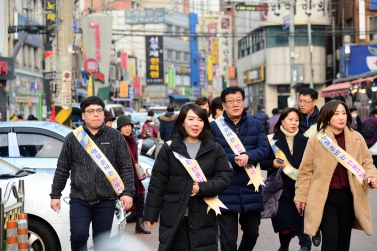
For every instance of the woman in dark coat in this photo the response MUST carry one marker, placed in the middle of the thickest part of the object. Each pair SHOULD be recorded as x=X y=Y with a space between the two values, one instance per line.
x=125 y=126
x=292 y=143
x=185 y=223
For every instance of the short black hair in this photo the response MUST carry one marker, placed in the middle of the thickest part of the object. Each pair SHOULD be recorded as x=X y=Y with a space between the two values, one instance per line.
x=170 y=108
x=216 y=104
x=260 y=107
x=231 y=90
x=353 y=109
x=275 y=111
x=20 y=116
x=202 y=101
x=309 y=91
x=374 y=111
x=178 y=125
x=92 y=100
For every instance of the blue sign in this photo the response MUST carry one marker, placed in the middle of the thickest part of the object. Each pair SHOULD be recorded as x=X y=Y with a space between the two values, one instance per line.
x=194 y=51
x=357 y=60
x=286 y=22
x=32 y=39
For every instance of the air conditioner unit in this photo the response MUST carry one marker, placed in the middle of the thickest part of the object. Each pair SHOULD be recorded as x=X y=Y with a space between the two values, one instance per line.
x=347 y=39
x=374 y=37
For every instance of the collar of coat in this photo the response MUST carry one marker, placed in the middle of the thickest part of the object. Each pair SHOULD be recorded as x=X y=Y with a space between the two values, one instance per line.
x=179 y=146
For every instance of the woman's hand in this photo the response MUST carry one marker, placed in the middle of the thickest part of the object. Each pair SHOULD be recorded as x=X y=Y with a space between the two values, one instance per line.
x=300 y=206
x=150 y=224
x=373 y=182
x=277 y=165
x=195 y=189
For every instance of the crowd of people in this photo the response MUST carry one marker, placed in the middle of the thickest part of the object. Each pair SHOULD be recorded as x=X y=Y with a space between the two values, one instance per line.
x=206 y=180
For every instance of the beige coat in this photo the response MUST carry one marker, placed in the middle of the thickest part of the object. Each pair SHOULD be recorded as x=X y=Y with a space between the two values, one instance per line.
x=315 y=174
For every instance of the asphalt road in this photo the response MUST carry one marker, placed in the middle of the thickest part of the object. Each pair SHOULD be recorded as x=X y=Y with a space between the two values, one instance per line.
x=267 y=241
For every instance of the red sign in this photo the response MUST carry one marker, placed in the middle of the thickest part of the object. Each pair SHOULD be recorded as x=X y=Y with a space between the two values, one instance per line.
x=97 y=39
x=124 y=58
x=137 y=85
x=231 y=72
x=91 y=65
x=3 y=67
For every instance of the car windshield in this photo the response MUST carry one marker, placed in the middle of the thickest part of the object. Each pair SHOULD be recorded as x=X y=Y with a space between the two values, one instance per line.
x=7 y=168
x=139 y=117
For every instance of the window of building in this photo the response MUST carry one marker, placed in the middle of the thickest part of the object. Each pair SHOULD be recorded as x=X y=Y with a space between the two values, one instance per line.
x=373 y=27
x=169 y=29
x=177 y=56
x=186 y=57
x=169 y=54
x=177 y=30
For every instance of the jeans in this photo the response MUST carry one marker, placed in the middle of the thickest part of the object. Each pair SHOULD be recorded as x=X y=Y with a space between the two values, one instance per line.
x=228 y=223
x=81 y=214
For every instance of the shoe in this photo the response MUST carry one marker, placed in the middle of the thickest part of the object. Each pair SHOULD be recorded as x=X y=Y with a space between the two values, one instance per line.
x=316 y=239
x=140 y=228
x=283 y=249
x=304 y=249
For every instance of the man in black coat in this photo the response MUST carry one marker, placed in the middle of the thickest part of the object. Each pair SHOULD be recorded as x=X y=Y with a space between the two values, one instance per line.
x=167 y=121
x=307 y=102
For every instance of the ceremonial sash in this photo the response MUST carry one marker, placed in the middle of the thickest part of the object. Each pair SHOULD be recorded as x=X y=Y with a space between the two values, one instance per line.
x=237 y=147
x=289 y=170
x=341 y=156
x=100 y=159
x=311 y=131
x=196 y=173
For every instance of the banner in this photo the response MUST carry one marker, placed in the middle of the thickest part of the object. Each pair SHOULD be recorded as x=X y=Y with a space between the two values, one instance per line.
x=123 y=89
x=154 y=59
x=171 y=78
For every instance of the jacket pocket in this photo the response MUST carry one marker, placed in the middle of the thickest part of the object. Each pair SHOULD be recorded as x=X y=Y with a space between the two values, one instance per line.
x=170 y=210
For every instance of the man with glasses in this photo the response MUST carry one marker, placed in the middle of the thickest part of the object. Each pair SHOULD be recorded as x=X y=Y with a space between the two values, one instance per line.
x=307 y=103
x=92 y=196
x=244 y=203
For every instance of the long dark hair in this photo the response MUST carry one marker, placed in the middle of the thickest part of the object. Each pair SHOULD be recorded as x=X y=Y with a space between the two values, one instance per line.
x=328 y=110
x=284 y=114
x=178 y=125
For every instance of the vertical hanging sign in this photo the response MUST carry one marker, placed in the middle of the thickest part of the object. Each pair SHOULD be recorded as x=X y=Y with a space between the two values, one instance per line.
x=155 y=59
x=171 y=78
x=66 y=90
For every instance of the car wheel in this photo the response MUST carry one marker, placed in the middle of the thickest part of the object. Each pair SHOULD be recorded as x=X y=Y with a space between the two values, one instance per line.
x=131 y=216
x=41 y=237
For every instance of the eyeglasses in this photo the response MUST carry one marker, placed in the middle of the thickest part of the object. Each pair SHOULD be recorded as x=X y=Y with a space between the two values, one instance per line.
x=238 y=101
x=304 y=102
x=92 y=111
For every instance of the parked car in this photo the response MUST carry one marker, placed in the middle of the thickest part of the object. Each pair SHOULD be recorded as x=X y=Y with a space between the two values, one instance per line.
x=115 y=109
x=139 y=118
x=158 y=110
x=47 y=230
x=36 y=145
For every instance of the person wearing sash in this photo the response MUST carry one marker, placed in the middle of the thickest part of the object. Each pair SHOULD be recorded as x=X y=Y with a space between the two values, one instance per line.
x=244 y=140
x=334 y=179
x=287 y=143
x=96 y=158
x=307 y=103
x=125 y=126
x=188 y=208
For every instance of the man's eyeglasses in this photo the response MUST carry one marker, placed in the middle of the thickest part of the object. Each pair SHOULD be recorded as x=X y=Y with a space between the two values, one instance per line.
x=238 y=101
x=305 y=102
x=92 y=111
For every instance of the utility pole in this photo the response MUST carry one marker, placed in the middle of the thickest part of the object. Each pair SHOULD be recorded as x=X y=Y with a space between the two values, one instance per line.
x=63 y=101
x=292 y=45
x=309 y=12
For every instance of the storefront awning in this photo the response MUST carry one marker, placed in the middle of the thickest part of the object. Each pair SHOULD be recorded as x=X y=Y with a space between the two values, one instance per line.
x=179 y=97
x=336 y=90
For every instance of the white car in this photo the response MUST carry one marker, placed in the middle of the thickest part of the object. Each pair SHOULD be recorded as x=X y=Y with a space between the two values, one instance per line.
x=48 y=231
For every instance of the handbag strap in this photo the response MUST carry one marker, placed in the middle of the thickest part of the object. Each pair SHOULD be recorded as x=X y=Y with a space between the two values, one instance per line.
x=132 y=156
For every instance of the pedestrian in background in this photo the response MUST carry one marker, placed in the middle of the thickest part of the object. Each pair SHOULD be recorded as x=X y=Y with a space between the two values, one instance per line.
x=263 y=118
x=92 y=196
x=243 y=200
x=329 y=192
x=290 y=141
x=149 y=128
x=167 y=123
x=109 y=118
x=369 y=128
x=31 y=117
x=273 y=119
x=20 y=118
x=307 y=103
x=356 y=121
x=204 y=103
x=178 y=200
x=125 y=126
x=216 y=108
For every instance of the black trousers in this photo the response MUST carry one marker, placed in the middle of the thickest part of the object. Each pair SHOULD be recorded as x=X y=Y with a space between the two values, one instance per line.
x=139 y=202
x=182 y=239
x=228 y=223
x=338 y=216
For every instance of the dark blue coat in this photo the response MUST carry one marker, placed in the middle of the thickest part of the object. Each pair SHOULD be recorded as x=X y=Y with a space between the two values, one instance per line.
x=167 y=121
x=240 y=197
x=287 y=216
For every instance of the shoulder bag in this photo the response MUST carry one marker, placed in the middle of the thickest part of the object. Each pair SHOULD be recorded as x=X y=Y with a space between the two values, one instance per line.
x=271 y=194
x=140 y=172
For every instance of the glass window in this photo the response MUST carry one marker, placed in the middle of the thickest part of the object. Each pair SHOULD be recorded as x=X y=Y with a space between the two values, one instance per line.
x=38 y=145
x=4 y=145
x=186 y=57
x=169 y=28
x=117 y=111
x=169 y=54
x=178 y=56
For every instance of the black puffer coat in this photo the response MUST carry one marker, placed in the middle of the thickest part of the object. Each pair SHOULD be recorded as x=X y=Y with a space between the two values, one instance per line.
x=170 y=189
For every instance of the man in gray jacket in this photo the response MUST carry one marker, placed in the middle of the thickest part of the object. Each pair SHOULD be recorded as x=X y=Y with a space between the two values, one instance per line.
x=92 y=198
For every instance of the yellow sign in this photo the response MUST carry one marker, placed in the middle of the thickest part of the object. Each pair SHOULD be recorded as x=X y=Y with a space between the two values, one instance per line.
x=90 y=85
x=123 y=89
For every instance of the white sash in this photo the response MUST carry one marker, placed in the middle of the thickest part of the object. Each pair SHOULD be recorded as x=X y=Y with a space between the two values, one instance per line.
x=237 y=147
x=100 y=159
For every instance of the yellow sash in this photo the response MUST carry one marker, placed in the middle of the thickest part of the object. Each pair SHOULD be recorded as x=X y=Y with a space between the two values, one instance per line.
x=237 y=147
x=100 y=159
x=289 y=170
x=197 y=175
x=311 y=131
x=341 y=156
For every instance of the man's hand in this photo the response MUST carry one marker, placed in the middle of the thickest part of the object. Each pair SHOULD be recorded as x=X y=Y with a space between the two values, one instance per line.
x=195 y=189
x=241 y=160
x=150 y=224
x=55 y=204
x=126 y=202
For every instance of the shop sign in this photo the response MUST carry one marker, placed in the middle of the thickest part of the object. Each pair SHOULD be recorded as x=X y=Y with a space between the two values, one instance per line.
x=255 y=75
x=50 y=10
x=97 y=39
x=6 y=68
x=66 y=90
x=123 y=89
x=137 y=84
x=155 y=59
